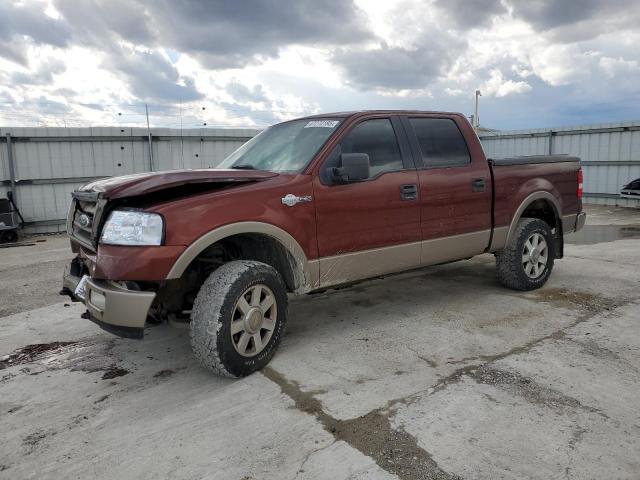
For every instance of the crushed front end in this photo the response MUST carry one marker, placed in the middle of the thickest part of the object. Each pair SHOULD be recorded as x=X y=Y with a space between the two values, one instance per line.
x=109 y=279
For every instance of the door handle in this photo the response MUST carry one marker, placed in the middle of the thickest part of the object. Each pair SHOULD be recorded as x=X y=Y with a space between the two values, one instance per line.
x=478 y=185
x=409 y=192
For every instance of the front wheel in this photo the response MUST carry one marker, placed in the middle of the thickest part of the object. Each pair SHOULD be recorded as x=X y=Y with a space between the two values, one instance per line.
x=238 y=318
x=526 y=262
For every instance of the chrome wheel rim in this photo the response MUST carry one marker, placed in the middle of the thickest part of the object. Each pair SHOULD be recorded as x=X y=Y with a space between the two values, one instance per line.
x=535 y=255
x=253 y=320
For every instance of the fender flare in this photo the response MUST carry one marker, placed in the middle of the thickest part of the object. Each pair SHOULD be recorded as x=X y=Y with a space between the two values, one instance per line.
x=305 y=272
x=540 y=195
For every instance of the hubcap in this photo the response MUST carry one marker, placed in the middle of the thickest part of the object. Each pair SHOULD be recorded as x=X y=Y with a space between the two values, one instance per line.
x=253 y=320
x=535 y=255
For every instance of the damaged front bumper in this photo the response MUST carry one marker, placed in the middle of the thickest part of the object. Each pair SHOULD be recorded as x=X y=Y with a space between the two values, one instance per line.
x=110 y=305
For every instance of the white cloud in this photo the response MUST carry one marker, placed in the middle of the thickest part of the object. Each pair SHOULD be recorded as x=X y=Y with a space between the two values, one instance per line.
x=499 y=86
x=264 y=67
x=560 y=64
x=612 y=67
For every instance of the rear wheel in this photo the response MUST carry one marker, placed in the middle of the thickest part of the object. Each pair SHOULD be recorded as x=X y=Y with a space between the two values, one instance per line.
x=527 y=261
x=8 y=236
x=238 y=318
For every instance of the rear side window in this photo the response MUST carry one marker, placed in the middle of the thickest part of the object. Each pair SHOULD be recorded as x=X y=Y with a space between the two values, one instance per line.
x=441 y=142
x=377 y=139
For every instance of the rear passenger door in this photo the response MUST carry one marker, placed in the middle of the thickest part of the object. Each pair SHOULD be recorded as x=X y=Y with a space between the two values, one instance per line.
x=369 y=227
x=455 y=191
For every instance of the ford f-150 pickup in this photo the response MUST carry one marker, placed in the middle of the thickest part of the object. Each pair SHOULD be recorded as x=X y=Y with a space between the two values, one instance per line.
x=306 y=205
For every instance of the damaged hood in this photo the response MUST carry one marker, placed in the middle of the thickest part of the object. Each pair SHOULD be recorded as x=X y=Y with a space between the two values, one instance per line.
x=143 y=183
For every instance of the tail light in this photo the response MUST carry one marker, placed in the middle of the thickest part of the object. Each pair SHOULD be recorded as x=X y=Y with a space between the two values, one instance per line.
x=580 y=178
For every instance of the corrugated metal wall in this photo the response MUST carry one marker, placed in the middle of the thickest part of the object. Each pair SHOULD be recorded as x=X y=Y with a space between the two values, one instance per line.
x=52 y=162
x=49 y=163
x=610 y=154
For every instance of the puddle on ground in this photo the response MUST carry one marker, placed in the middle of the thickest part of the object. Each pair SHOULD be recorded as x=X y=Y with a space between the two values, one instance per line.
x=591 y=234
x=31 y=353
x=82 y=356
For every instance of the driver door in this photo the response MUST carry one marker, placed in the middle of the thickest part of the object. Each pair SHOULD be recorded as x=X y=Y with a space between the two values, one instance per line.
x=369 y=227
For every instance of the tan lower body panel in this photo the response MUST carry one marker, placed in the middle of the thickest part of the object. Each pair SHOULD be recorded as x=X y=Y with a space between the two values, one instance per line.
x=499 y=239
x=456 y=247
x=354 y=266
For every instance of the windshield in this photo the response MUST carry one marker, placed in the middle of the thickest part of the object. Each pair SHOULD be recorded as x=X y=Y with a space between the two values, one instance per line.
x=286 y=147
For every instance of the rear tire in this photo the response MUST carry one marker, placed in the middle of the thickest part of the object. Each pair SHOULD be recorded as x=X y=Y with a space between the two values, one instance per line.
x=238 y=318
x=527 y=261
x=9 y=236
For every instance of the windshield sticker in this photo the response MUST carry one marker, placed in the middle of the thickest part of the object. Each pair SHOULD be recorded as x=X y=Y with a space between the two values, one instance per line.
x=322 y=124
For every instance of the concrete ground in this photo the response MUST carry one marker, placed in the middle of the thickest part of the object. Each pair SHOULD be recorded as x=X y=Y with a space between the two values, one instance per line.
x=434 y=374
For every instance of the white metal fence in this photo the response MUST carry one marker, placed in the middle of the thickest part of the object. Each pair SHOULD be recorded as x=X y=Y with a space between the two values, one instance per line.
x=43 y=165
x=610 y=154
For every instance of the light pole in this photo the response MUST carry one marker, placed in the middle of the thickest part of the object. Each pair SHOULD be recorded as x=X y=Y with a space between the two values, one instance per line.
x=476 y=119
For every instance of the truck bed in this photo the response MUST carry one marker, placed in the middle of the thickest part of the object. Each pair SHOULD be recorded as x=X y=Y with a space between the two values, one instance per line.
x=514 y=178
x=530 y=159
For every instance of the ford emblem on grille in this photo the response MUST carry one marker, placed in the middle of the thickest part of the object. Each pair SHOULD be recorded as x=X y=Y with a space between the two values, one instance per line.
x=84 y=220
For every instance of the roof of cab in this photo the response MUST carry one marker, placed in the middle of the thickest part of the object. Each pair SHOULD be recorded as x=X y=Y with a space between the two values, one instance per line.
x=365 y=112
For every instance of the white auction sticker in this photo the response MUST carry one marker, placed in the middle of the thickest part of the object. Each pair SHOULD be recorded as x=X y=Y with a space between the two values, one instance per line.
x=322 y=124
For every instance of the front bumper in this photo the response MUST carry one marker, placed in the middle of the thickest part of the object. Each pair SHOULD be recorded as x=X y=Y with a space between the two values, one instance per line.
x=111 y=306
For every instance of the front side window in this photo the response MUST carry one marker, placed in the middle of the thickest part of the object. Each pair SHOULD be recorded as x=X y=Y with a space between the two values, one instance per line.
x=441 y=142
x=377 y=139
x=286 y=148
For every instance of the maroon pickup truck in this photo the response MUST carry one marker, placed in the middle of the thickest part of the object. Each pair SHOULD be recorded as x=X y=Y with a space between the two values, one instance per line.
x=303 y=206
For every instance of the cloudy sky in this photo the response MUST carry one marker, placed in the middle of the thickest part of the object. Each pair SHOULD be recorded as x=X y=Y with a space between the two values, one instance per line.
x=254 y=62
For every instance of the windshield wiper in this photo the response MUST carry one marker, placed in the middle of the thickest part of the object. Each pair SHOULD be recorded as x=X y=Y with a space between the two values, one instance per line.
x=244 y=167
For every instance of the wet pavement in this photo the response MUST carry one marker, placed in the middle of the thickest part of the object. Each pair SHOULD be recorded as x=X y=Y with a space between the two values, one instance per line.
x=591 y=234
x=434 y=374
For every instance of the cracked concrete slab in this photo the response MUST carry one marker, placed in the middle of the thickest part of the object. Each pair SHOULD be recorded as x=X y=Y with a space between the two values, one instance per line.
x=553 y=411
x=438 y=373
x=69 y=422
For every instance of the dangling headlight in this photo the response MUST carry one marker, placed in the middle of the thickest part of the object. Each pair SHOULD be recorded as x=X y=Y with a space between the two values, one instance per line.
x=125 y=227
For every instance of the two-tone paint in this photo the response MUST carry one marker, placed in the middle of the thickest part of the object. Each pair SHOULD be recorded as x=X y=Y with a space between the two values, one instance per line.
x=342 y=232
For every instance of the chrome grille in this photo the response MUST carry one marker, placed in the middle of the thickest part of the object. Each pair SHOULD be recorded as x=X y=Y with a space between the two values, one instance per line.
x=83 y=218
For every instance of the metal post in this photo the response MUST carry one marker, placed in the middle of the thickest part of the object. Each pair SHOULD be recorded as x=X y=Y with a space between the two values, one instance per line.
x=181 y=138
x=12 y=166
x=476 y=119
x=550 y=152
x=146 y=108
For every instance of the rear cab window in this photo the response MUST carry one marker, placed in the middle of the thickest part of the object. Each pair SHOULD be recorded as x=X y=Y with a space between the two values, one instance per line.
x=440 y=142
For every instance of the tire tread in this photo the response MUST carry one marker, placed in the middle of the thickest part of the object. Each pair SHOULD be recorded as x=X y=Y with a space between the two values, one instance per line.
x=208 y=311
x=509 y=261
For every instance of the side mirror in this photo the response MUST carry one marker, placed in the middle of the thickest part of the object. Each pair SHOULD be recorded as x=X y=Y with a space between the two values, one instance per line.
x=355 y=167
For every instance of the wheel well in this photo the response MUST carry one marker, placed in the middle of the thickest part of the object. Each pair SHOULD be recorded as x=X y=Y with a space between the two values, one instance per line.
x=177 y=295
x=252 y=246
x=544 y=210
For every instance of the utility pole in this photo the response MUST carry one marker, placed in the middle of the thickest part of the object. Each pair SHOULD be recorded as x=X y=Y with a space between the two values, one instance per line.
x=476 y=119
x=146 y=109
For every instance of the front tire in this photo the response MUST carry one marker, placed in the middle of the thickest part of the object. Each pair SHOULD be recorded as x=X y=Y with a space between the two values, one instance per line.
x=527 y=261
x=238 y=318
